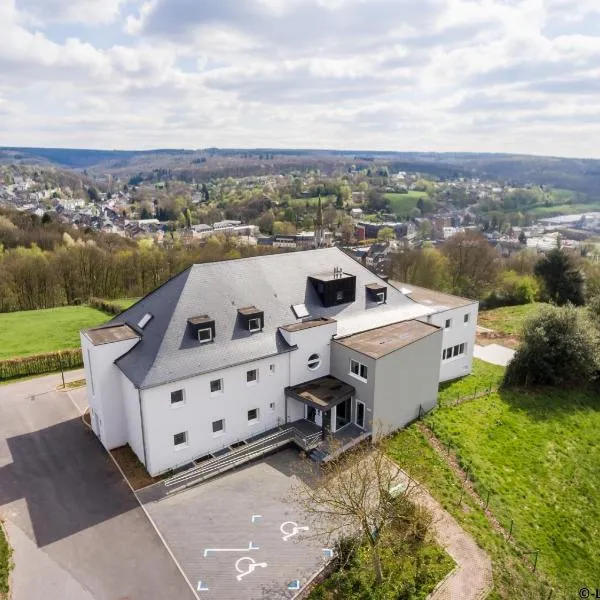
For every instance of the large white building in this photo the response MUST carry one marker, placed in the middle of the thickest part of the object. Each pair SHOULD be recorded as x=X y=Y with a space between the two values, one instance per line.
x=302 y=342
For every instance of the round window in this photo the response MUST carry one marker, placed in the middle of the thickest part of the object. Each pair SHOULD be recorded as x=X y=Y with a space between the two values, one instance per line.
x=314 y=362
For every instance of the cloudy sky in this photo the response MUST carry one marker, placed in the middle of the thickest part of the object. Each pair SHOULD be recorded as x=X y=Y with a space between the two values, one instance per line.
x=440 y=75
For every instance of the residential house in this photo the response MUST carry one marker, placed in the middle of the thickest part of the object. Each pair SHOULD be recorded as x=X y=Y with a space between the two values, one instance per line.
x=308 y=341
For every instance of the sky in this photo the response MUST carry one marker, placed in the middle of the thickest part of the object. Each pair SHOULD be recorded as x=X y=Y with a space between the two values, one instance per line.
x=519 y=76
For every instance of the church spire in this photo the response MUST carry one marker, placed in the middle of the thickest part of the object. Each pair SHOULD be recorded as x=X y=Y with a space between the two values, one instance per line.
x=319 y=235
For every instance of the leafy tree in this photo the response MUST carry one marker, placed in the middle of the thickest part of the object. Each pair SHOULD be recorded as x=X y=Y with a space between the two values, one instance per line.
x=522 y=238
x=386 y=234
x=562 y=279
x=559 y=347
x=473 y=263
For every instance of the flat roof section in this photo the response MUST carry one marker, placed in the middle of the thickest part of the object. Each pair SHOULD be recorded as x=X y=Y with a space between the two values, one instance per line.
x=307 y=324
x=383 y=340
x=107 y=335
x=323 y=393
x=431 y=297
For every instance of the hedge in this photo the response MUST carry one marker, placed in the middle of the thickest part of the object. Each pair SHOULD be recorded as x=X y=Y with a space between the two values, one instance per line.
x=40 y=363
x=105 y=306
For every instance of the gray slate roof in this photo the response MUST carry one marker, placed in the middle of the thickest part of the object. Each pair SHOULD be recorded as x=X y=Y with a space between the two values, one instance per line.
x=167 y=351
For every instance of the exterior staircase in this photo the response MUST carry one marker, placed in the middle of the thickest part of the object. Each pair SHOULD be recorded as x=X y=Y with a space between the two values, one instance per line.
x=265 y=444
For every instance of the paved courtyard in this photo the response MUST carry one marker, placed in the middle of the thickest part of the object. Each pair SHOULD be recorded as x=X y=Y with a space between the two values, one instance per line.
x=494 y=354
x=237 y=537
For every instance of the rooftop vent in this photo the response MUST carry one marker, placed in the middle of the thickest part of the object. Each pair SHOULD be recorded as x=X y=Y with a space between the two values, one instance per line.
x=300 y=311
x=251 y=318
x=202 y=328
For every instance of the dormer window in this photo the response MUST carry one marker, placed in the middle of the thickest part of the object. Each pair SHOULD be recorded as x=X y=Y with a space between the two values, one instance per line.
x=205 y=335
x=376 y=292
x=251 y=319
x=202 y=328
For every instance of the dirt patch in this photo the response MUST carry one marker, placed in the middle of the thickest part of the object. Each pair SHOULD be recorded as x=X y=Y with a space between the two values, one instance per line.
x=133 y=469
x=484 y=338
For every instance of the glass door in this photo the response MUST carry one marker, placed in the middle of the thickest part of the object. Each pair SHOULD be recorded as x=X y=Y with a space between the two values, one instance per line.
x=343 y=414
x=360 y=414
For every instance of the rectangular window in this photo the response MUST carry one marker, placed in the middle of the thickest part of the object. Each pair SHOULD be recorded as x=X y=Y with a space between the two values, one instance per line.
x=218 y=426
x=180 y=439
x=448 y=323
x=254 y=324
x=462 y=349
x=444 y=354
x=253 y=414
x=358 y=369
x=271 y=369
x=467 y=317
x=360 y=414
x=380 y=297
x=216 y=385
x=272 y=406
x=456 y=349
x=252 y=376
x=176 y=397
x=205 y=335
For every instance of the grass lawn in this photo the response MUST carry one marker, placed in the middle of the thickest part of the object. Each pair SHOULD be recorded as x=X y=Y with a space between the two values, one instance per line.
x=403 y=204
x=508 y=319
x=38 y=331
x=538 y=453
x=5 y=564
x=124 y=303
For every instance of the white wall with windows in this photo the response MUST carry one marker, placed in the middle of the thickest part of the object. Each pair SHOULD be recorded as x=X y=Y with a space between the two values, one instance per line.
x=212 y=411
x=458 y=325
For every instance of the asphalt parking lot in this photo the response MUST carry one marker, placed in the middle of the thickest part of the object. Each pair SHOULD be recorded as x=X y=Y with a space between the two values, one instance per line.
x=236 y=537
x=77 y=531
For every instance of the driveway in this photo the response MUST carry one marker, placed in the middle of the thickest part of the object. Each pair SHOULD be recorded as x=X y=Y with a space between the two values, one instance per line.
x=494 y=354
x=237 y=536
x=77 y=530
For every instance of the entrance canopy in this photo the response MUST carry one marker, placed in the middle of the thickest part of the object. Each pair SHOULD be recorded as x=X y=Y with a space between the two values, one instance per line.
x=323 y=393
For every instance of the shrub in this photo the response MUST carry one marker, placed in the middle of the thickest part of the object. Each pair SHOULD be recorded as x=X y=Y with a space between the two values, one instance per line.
x=559 y=347
x=110 y=308
x=513 y=289
x=40 y=363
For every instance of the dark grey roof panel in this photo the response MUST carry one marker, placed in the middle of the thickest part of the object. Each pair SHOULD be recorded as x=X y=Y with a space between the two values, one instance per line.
x=168 y=352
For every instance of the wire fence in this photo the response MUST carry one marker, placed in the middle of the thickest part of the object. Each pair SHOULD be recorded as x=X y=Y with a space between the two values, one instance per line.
x=490 y=502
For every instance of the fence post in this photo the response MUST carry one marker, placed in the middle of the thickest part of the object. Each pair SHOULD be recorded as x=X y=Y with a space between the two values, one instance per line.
x=462 y=493
x=487 y=501
x=62 y=372
x=511 y=529
x=535 y=560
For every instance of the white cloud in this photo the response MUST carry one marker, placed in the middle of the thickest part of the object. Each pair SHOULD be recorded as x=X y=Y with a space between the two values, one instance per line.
x=480 y=75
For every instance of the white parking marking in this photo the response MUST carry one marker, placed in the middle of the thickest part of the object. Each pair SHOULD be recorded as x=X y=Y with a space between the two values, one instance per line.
x=295 y=530
x=252 y=564
x=250 y=547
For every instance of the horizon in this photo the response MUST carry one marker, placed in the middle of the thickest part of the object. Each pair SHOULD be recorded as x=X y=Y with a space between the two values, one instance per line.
x=445 y=76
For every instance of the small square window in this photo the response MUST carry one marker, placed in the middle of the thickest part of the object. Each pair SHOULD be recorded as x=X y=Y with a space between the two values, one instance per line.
x=467 y=317
x=448 y=323
x=456 y=350
x=180 y=439
x=254 y=324
x=271 y=369
x=358 y=369
x=363 y=371
x=218 y=426
x=462 y=348
x=444 y=354
x=271 y=405
x=216 y=385
x=177 y=397
x=205 y=335
x=253 y=414
x=252 y=376
x=380 y=297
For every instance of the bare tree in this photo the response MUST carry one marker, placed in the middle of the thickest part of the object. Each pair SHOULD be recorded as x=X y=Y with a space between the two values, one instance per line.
x=357 y=495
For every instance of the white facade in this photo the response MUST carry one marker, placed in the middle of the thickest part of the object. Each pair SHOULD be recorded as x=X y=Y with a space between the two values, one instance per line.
x=459 y=326
x=168 y=425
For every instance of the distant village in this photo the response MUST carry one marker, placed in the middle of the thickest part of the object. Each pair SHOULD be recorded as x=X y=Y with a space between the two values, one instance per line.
x=353 y=223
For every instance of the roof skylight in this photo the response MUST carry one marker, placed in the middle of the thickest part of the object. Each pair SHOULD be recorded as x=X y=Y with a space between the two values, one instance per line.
x=300 y=311
x=145 y=320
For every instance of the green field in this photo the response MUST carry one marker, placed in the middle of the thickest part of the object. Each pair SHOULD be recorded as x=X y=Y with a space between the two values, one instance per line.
x=538 y=455
x=38 y=331
x=124 y=303
x=404 y=204
x=508 y=319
